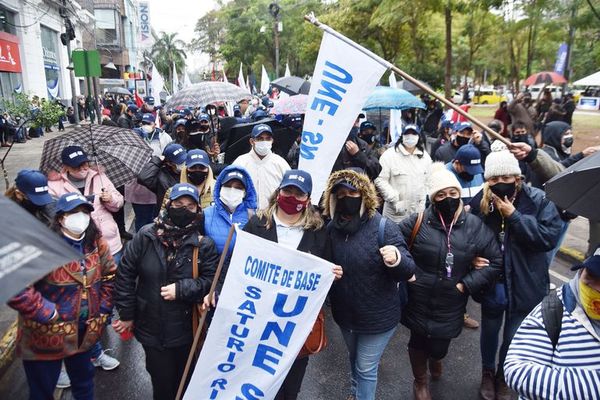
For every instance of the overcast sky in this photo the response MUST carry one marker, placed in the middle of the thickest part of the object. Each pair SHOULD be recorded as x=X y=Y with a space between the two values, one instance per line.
x=180 y=16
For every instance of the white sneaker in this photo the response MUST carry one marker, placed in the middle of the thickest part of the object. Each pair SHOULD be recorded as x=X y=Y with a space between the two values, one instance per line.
x=552 y=286
x=63 y=380
x=105 y=361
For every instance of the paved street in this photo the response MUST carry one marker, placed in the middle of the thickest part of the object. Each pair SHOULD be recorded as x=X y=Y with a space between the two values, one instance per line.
x=327 y=376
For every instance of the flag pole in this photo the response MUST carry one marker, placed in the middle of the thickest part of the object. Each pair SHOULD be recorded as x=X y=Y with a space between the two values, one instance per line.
x=313 y=20
x=213 y=286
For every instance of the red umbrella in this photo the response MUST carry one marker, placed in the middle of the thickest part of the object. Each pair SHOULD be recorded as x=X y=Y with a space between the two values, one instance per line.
x=545 y=78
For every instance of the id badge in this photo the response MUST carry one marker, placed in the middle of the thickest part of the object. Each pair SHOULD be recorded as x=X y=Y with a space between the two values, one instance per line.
x=501 y=239
x=449 y=264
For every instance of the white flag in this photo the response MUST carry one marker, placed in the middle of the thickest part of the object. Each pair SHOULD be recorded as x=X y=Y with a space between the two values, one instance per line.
x=270 y=297
x=158 y=85
x=175 y=80
x=241 y=82
x=224 y=75
x=287 y=70
x=345 y=74
x=395 y=126
x=265 y=82
x=248 y=84
x=186 y=80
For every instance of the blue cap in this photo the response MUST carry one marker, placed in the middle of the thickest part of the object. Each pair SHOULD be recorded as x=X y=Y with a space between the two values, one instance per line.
x=236 y=107
x=591 y=264
x=70 y=201
x=259 y=114
x=343 y=182
x=231 y=175
x=461 y=126
x=179 y=122
x=470 y=158
x=411 y=127
x=197 y=157
x=184 y=189
x=447 y=124
x=261 y=128
x=133 y=108
x=148 y=119
x=203 y=117
x=35 y=186
x=73 y=156
x=187 y=111
x=175 y=153
x=367 y=125
x=297 y=178
x=149 y=100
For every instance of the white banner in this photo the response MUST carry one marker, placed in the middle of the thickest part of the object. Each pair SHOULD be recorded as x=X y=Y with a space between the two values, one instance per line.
x=344 y=78
x=395 y=125
x=175 y=79
x=269 y=302
x=265 y=82
x=241 y=82
x=158 y=85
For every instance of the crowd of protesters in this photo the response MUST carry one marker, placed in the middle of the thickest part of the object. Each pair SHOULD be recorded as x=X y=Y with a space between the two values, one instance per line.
x=415 y=228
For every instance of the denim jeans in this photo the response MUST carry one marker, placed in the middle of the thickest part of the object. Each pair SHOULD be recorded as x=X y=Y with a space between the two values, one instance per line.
x=490 y=328
x=365 y=351
x=43 y=375
x=144 y=214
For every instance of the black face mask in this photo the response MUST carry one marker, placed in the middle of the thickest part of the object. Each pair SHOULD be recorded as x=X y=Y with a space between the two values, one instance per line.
x=197 y=177
x=504 y=189
x=181 y=217
x=519 y=139
x=465 y=176
x=368 y=138
x=447 y=208
x=349 y=205
x=461 y=140
x=29 y=206
x=568 y=142
x=197 y=140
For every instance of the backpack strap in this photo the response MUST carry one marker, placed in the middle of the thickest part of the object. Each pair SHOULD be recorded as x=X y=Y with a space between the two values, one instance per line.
x=381 y=232
x=552 y=311
x=415 y=230
x=195 y=274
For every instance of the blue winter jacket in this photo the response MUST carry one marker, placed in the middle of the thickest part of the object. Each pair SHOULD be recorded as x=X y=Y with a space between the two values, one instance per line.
x=470 y=188
x=217 y=219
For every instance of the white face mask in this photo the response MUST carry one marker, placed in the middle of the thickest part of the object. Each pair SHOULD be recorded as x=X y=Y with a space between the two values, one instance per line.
x=232 y=197
x=76 y=223
x=81 y=174
x=263 y=148
x=410 y=140
x=147 y=128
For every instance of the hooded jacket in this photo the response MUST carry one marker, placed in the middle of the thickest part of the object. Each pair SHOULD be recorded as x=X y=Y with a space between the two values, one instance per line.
x=218 y=220
x=158 y=178
x=552 y=137
x=531 y=231
x=59 y=184
x=365 y=159
x=435 y=306
x=143 y=271
x=366 y=298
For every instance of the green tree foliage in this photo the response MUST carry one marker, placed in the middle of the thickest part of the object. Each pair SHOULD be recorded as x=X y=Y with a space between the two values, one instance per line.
x=167 y=49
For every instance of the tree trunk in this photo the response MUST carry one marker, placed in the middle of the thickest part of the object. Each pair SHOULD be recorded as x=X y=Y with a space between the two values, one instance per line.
x=448 y=71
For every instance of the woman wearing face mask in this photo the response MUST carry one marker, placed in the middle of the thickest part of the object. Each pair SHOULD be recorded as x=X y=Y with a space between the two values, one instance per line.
x=557 y=138
x=30 y=191
x=62 y=316
x=527 y=226
x=155 y=291
x=404 y=170
x=198 y=172
x=158 y=175
x=444 y=248
x=365 y=303
x=235 y=203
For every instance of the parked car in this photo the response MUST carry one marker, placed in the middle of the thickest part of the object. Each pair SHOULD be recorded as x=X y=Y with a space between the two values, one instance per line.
x=488 y=96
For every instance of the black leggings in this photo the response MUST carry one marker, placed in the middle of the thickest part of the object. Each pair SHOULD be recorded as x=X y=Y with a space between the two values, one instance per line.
x=165 y=367
x=293 y=381
x=435 y=348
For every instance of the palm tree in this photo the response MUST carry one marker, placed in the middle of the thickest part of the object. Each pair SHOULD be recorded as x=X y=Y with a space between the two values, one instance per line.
x=166 y=51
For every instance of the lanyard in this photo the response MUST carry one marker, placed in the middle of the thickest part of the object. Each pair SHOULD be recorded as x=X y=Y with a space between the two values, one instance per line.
x=449 y=255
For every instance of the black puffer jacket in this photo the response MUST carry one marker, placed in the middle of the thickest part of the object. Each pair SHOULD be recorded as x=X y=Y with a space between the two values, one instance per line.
x=143 y=271
x=435 y=306
x=158 y=177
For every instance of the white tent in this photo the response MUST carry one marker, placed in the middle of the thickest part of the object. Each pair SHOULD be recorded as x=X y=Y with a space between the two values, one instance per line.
x=591 y=80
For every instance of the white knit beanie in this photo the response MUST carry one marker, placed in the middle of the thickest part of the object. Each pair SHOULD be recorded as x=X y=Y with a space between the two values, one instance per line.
x=500 y=162
x=441 y=178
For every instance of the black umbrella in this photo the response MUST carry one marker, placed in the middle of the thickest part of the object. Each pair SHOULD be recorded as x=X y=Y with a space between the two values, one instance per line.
x=28 y=249
x=577 y=189
x=237 y=142
x=411 y=87
x=292 y=85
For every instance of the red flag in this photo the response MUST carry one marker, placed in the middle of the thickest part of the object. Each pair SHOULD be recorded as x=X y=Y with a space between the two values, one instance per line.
x=138 y=100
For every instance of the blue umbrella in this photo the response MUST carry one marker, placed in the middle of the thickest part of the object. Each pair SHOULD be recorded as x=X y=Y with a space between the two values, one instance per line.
x=387 y=98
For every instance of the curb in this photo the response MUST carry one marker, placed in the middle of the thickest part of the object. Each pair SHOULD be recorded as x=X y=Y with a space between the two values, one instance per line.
x=571 y=255
x=7 y=348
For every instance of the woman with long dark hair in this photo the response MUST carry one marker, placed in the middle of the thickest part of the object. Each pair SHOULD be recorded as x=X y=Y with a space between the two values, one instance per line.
x=404 y=171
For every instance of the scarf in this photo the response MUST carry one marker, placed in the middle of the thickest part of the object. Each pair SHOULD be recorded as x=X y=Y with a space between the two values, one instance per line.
x=172 y=236
x=349 y=226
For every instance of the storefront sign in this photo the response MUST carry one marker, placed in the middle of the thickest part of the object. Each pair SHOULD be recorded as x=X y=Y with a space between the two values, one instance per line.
x=144 y=11
x=10 y=60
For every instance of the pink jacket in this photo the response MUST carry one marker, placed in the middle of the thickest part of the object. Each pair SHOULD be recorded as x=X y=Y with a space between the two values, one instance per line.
x=59 y=184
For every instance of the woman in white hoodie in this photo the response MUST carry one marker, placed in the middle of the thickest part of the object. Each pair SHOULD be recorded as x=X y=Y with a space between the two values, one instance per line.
x=404 y=171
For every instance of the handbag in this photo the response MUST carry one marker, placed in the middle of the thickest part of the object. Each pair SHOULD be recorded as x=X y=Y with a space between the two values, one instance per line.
x=317 y=339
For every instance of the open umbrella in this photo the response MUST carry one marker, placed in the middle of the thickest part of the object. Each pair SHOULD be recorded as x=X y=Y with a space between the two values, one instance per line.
x=577 y=189
x=411 y=87
x=545 y=78
x=118 y=90
x=121 y=153
x=292 y=85
x=203 y=93
x=28 y=249
x=387 y=98
x=237 y=142
x=291 y=105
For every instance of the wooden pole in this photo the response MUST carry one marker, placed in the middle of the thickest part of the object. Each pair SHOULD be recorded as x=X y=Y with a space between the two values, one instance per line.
x=313 y=20
x=213 y=286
